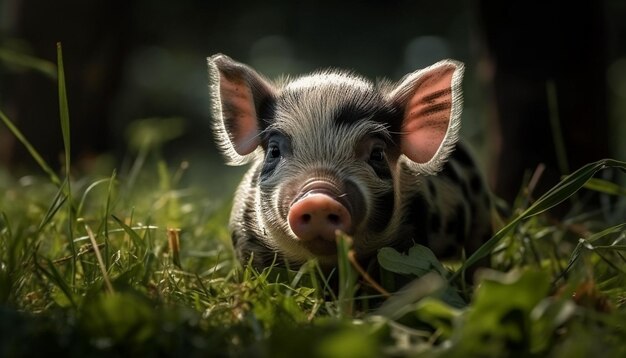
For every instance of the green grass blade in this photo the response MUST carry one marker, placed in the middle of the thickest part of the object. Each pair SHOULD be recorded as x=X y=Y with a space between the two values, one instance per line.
x=572 y=260
x=605 y=232
x=587 y=244
x=92 y=186
x=107 y=212
x=347 y=276
x=26 y=61
x=173 y=208
x=57 y=202
x=31 y=150
x=96 y=250
x=563 y=190
x=65 y=129
x=611 y=247
x=64 y=109
x=5 y=224
x=133 y=235
x=605 y=186
x=107 y=209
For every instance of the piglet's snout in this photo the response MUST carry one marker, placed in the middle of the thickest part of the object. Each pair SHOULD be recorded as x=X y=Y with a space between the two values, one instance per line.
x=317 y=215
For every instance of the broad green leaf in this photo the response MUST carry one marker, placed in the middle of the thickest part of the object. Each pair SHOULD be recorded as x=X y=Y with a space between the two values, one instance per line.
x=499 y=319
x=394 y=261
x=418 y=261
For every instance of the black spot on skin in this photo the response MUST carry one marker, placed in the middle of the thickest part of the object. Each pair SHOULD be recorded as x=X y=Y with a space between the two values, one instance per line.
x=461 y=220
x=456 y=224
x=367 y=106
x=357 y=109
x=383 y=210
x=466 y=191
x=266 y=113
x=451 y=226
x=486 y=200
x=476 y=183
x=450 y=172
x=432 y=190
x=351 y=113
x=435 y=222
x=418 y=212
x=392 y=118
x=462 y=156
x=358 y=105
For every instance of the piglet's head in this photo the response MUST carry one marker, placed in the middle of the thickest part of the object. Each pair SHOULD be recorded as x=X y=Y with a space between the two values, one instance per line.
x=331 y=144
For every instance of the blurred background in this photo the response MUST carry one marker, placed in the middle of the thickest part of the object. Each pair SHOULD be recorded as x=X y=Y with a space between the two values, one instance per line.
x=545 y=83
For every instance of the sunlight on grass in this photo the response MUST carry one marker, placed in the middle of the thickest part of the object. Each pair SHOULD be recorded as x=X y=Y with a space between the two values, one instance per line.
x=133 y=262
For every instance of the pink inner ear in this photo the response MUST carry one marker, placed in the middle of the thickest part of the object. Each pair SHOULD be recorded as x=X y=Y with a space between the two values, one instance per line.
x=238 y=103
x=427 y=114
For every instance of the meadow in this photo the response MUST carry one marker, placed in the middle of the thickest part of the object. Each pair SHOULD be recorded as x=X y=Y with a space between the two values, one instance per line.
x=136 y=262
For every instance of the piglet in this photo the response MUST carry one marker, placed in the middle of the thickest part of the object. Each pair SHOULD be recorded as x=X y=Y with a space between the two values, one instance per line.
x=334 y=151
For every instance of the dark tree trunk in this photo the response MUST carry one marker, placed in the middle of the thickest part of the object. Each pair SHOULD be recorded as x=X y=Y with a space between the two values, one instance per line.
x=530 y=45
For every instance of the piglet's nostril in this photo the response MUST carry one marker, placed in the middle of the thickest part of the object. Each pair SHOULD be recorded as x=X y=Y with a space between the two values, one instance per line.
x=334 y=219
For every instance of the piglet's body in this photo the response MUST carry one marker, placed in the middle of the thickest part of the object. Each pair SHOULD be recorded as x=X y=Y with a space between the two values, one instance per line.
x=333 y=151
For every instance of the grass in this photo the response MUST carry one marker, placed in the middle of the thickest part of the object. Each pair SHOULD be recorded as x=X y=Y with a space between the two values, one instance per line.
x=134 y=263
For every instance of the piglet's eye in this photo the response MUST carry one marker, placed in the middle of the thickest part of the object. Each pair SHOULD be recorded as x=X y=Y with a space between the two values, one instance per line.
x=273 y=151
x=377 y=154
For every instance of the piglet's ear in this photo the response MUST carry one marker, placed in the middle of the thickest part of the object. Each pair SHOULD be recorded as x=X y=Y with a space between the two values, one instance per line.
x=432 y=102
x=237 y=94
